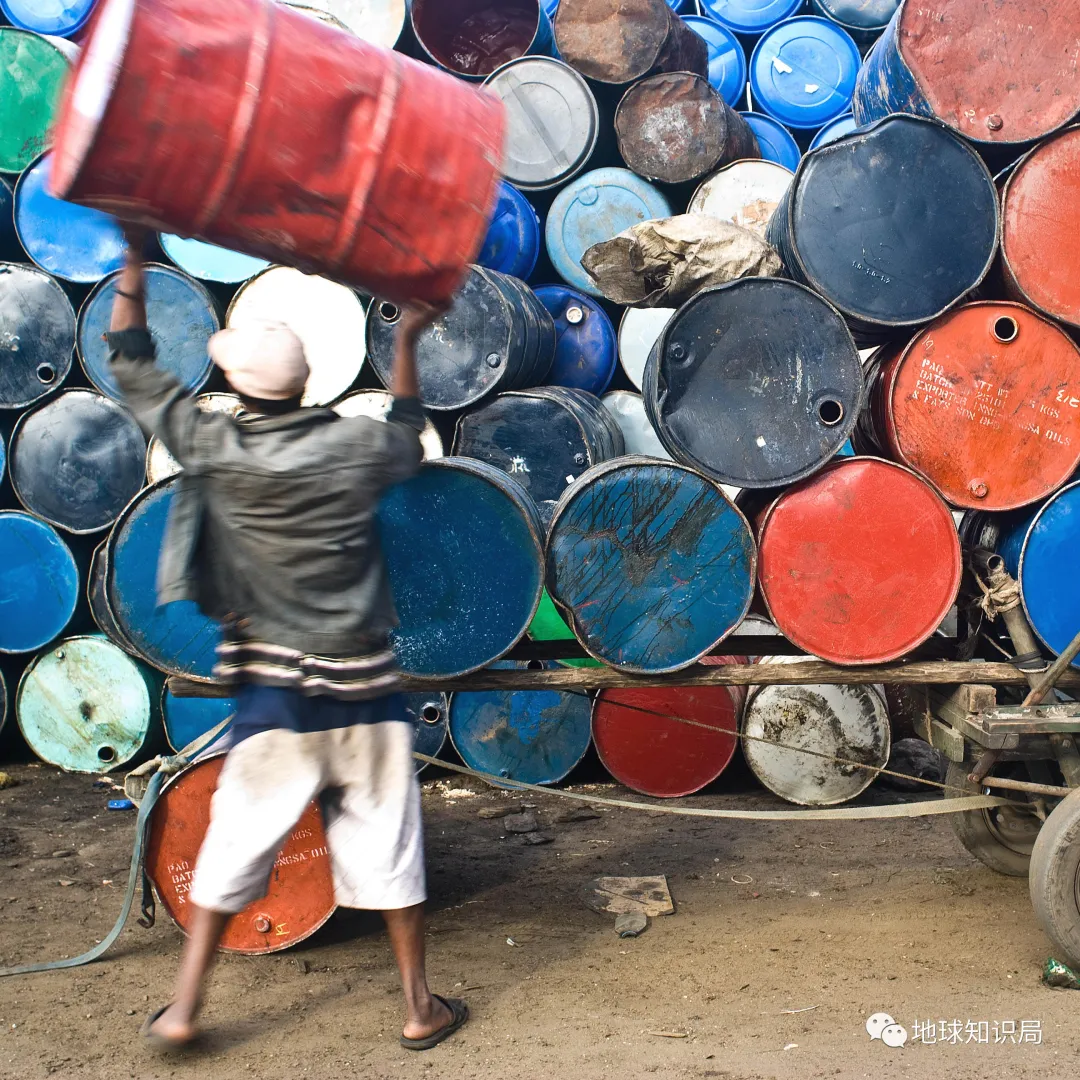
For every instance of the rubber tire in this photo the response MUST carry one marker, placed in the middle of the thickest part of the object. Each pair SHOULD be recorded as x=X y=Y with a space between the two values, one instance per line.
x=1054 y=879
x=974 y=832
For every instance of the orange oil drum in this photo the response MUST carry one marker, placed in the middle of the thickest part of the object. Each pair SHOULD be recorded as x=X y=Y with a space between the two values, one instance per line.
x=301 y=894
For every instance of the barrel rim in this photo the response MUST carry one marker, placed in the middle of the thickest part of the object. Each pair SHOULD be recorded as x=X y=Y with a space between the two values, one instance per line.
x=796 y=637
x=430 y=432
x=70 y=562
x=784 y=134
x=99 y=565
x=696 y=21
x=808 y=159
x=166 y=240
x=205 y=759
x=50 y=281
x=891 y=373
x=1013 y=171
x=853 y=30
x=43 y=39
x=65 y=32
x=28 y=415
x=444 y=722
x=754 y=692
x=630 y=461
x=700 y=193
x=844 y=428
x=619 y=332
x=578 y=167
x=748 y=29
x=142 y=677
x=165 y=695
x=1028 y=533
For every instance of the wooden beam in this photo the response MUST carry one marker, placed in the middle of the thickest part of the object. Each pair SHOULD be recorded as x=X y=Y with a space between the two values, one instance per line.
x=935 y=672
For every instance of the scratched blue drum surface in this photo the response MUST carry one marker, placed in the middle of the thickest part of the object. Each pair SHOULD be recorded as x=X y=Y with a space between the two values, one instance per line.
x=39 y=583
x=533 y=736
x=187 y=718
x=59 y=18
x=86 y=706
x=182 y=317
x=208 y=262
x=774 y=140
x=463 y=548
x=72 y=242
x=727 y=60
x=512 y=244
x=429 y=714
x=176 y=638
x=586 y=348
x=1040 y=551
x=651 y=564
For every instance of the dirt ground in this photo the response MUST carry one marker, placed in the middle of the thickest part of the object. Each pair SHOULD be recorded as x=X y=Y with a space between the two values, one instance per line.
x=786 y=938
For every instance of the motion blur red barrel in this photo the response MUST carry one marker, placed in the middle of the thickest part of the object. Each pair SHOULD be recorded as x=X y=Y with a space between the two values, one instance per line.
x=252 y=126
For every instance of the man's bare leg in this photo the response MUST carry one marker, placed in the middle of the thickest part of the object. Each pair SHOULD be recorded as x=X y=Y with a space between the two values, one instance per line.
x=177 y=1023
x=425 y=1014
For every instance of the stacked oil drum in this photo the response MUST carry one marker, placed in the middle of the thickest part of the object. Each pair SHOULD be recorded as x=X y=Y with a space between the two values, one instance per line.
x=791 y=452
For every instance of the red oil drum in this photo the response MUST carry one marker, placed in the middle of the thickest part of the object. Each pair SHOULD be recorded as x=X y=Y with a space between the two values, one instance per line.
x=1040 y=208
x=250 y=125
x=860 y=563
x=301 y=894
x=668 y=741
x=983 y=403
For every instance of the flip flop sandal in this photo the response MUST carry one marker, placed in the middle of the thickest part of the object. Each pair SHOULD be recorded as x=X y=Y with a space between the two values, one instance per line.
x=459 y=1013
x=161 y=1043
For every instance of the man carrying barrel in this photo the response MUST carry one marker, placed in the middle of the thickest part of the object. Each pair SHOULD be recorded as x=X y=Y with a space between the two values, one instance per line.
x=273 y=534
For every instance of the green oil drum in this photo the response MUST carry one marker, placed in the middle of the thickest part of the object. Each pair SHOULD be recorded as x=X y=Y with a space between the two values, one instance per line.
x=86 y=706
x=32 y=72
x=549 y=625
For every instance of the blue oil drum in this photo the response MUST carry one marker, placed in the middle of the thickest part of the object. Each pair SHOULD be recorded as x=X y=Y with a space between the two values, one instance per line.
x=37 y=335
x=650 y=563
x=175 y=638
x=532 y=736
x=833 y=130
x=727 y=60
x=888 y=253
x=188 y=718
x=595 y=207
x=73 y=242
x=774 y=140
x=208 y=262
x=77 y=461
x=96 y=599
x=3 y=701
x=495 y=336
x=39 y=583
x=8 y=239
x=544 y=438
x=463 y=545
x=512 y=244
x=803 y=71
x=864 y=20
x=749 y=17
x=1040 y=550
x=54 y=18
x=86 y=706
x=429 y=714
x=182 y=316
x=586 y=346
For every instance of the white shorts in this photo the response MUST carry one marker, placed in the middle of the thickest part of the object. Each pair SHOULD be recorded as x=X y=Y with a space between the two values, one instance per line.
x=371 y=811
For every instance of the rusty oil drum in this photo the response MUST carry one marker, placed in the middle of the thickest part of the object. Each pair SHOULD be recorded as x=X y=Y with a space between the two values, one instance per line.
x=979 y=404
x=1039 y=206
x=301 y=892
x=253 y=126
x=668 y=741
x=997 y=73
x=860 y=563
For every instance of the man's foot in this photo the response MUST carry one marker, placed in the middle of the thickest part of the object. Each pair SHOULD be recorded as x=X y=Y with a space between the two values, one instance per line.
x=444 y=1016
x=169 y=1028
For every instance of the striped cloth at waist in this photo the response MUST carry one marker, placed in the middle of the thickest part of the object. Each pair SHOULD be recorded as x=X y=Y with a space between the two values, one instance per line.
x=347 y=678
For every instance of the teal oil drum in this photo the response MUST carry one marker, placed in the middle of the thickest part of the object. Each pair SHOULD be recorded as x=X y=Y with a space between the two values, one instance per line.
x=464 y=552
x=650 y=563
x=188 y=718
x=86 y=706
x=532 y=736
x=175 y=638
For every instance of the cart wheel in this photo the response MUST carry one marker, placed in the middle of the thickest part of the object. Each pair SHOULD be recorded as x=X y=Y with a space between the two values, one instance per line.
x=1055 y=878
x=1000 y=837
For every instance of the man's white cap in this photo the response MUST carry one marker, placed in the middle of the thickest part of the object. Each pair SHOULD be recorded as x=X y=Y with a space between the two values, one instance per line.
x=261 y=359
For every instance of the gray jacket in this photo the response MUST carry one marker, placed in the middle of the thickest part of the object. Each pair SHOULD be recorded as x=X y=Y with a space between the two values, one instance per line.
x=273 y=527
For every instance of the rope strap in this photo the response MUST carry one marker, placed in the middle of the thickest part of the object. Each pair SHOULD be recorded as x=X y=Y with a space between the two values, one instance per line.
x=1001 y=594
